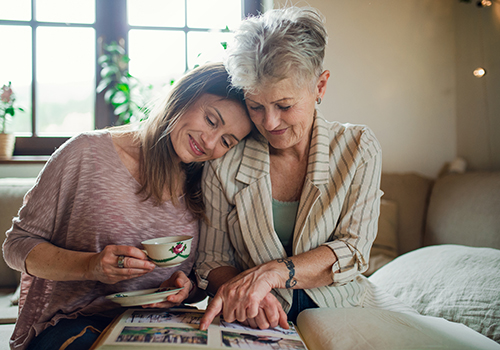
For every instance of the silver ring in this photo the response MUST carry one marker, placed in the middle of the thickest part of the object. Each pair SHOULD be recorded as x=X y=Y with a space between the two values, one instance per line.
x=121 y=261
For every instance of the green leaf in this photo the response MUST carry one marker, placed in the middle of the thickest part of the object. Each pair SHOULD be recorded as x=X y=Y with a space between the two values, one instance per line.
x=125 y=59
x=10 y=110
x=113 y=47
x=119 y=98
x=109 y=95
x=104 y=83
x=108 y=71
x=121 y=109
x=124 y=118
x=124 y=80
x=102 y=59
x=123 y=87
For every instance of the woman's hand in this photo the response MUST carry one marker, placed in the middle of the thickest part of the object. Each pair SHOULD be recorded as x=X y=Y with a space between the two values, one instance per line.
x=104 y=267
x=247 y=298
x=177 y=280
x=58 y=264
x=270 y=314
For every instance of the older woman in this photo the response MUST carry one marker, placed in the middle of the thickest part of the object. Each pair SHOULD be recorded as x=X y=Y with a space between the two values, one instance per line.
x=78 y=235
x=293 y=214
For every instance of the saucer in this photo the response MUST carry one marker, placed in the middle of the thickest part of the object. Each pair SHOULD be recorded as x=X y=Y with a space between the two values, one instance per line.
x=142 y=297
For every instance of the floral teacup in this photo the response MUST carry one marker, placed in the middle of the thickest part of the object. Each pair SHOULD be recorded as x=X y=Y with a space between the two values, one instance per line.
x=168 y=251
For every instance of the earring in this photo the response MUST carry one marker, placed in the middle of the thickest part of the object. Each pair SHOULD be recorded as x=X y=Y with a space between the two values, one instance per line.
x=318 y=100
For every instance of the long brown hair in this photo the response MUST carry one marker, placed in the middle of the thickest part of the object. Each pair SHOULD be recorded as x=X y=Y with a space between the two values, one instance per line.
x=159 y=164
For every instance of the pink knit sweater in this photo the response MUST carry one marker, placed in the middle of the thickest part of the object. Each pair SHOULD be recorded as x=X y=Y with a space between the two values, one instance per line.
x=85 y=199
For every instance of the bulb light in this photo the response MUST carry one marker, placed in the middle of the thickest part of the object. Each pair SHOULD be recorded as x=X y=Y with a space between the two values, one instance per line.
x=479 y=72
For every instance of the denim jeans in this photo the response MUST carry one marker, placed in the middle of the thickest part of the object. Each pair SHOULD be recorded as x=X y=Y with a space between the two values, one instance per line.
x=80 y=333
x=301 y=301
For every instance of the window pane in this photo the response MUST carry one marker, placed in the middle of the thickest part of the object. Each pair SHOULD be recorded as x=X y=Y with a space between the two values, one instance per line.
x=66 y=11
x=156 y=13
x=206 y=47
x=213 y=13
x=65 y=80
x=18 y=10
x=16 y=68
x=157 y=57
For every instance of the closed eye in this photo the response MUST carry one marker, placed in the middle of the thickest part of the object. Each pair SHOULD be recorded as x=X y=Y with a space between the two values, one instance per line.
x=284 y=108
x=209 y=121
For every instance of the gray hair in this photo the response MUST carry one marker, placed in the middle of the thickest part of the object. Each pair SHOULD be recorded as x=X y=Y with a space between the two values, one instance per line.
x=282 y=43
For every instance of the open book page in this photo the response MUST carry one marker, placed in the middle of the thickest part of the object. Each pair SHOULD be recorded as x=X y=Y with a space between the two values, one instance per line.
x=179 y=328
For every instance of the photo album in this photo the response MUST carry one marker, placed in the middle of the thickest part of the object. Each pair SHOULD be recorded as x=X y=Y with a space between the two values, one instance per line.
x=139 y=329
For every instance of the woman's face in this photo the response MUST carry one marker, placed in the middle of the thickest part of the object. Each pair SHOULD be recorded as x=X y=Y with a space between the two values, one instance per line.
x=283 y=112
x=209 y=128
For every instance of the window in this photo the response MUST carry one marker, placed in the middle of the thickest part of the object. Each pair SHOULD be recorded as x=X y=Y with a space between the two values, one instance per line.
x=53 y=46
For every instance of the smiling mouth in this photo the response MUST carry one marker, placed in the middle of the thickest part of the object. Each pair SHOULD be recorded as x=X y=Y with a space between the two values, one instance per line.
x=278 y=132
x=195 y=147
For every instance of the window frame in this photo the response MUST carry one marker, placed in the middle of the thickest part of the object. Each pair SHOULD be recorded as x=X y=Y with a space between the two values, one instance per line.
x=110 y=25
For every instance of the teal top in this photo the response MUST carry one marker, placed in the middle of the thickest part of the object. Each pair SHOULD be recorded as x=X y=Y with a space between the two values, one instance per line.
x=284 y=214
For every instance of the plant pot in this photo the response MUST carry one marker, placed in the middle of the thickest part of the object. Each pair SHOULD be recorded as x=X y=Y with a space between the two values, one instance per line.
x=7 y=142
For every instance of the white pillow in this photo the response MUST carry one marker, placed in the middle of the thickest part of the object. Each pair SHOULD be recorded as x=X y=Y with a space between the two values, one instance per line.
x=458 y=283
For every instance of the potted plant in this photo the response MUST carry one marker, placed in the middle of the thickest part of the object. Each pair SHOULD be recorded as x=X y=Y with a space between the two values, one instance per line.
x=7 y=111
x=125 y=93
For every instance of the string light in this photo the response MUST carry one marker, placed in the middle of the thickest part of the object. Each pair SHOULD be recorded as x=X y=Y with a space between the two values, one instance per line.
x=480 y=3
x=479 y=72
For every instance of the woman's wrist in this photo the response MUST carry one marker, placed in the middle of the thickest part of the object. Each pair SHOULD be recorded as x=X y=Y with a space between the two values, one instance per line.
x=193 y=285
x=195 y=294
x=288 y=275
x=279 y=273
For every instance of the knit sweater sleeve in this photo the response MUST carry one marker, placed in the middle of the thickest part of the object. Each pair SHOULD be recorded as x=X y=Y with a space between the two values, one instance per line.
x=46 y=206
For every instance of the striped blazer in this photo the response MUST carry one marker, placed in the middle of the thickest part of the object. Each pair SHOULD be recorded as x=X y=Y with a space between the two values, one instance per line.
x=339 y=208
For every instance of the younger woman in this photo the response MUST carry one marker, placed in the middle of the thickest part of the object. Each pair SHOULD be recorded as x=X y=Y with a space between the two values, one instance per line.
x=78 y=234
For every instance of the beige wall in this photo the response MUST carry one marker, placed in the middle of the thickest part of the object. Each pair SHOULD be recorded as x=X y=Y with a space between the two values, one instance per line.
x=478 y=100
x=394 y=68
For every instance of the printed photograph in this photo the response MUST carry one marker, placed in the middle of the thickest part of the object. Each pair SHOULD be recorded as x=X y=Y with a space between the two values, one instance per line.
x=278 y=330
x=167 y=335
x=255 y=341
x=161 y=316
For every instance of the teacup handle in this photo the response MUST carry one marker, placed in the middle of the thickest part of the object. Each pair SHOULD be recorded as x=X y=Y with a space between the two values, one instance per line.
x=146 y=252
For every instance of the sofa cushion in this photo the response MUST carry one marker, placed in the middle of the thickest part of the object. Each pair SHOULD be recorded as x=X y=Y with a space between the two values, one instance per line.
x=8 y=312
x=385 y=246
x=458 y=283
x=465 y=209
x=6 y=331
x=411 y=193
x=12 y=191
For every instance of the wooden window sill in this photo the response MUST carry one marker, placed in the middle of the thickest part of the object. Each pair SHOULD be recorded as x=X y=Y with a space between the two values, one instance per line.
x=25 y=160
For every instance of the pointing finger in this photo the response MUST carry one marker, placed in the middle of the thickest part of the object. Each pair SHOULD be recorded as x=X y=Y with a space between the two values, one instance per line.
x=213 y=309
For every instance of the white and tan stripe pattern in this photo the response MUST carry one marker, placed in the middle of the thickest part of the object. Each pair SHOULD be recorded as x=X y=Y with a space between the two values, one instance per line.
x=339 y=207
